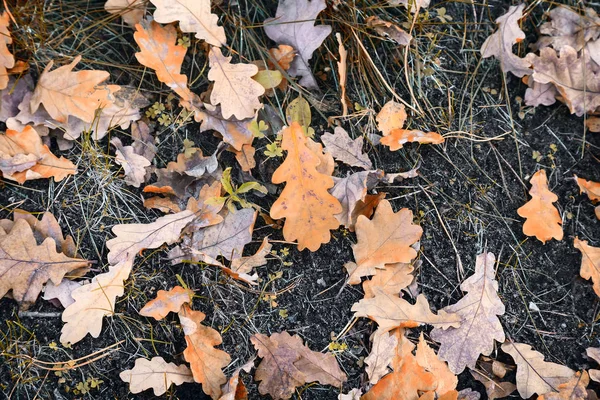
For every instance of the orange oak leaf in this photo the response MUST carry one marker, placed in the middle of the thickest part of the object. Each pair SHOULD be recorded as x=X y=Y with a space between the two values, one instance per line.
x=155 y=374
x=408 y=380
x=426 y=358
x=24 y=157
x=234 y=89
x=398 y=137
x=392 y=116
x=590 y=262
x=386 y=239
x=283 y=56
x=205 y=361
x=64 y=92
x=193 y=16
x=235 y=389
x=592 y=189
x=542 y=218
x=166 y=302
x=365 y=207
x=287 y=363
x=7 y=60
x=306 y=204
x=159 y=51
x=25 y=265
x=132 y=11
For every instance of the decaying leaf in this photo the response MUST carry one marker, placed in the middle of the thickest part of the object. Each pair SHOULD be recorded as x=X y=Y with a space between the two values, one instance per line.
x=26 y=266
x=294 y=25
x=408 y=380
x=534 y=375
x=64 y=92
x=305 y=203
x=287 y=363
x=382 y=352
x=386 y=239
x=7 y=60
x=574 y=76
x=426 y=358
x=346 y=150
x=392 y=279
x=24 y=157
x=478 y=312
x=193 y=16
x=166 y=302
x=156 y=374
x=133 y=238
x=590 y=262
x=234 y=89
x=159 y=51
x=574 y=389
x=132 y=11
x=391 y=311
x=399 y=137
x=133 y=164
x=205 y=361
x=500 y=43
x=389 y=30
x=542 y=218
x=93 y=301
x=569 y=28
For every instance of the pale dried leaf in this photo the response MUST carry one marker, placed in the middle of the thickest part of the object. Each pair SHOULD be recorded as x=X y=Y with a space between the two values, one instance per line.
x=349 y=191
x=166 y=302
x=427 y=359
x=382 y=352
x=392 y=116
x=478 y=312
x=61 y=292
x=569 y=28
x=244 y=265
x=133 y=164
x=534 y=375
x=393 y=279
x=540 y=94
x=574 y=389
x=93 y=301
x=236 y=133
x=294 y=25
x=389 y=30
x=155 y=374
x=193 y=16
x=594 y=354
x=12 y=96
x=346 y=150
x=7 y=60
x=354 y=394
x=132 y=11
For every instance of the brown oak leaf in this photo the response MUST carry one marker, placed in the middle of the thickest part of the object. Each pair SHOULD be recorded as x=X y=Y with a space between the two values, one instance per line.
x=7 y=60
x=590 y=262
x=156 y=374
x=350 y=191
x=306 y=204
x=166 y=302
x=574 y=389
x=542 y=218
x=478 y=312
x=382 y=352
x=389 y=30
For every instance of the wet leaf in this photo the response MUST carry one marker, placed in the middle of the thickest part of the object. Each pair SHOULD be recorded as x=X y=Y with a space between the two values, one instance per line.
x=166 y=302
x=306 y=204
x=155 y=374
x=478 y=311
x=542 y=218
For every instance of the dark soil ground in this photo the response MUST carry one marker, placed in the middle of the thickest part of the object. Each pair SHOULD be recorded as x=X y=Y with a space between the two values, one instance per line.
x=465 y=198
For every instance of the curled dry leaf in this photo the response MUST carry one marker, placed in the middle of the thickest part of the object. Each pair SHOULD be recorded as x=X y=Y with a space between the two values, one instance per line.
x=93 y=301
x=342 y=73
x=500 y=43
x=399 y=137
x=590 y=262
x=478 y=313
x=234 y=89
x=236 y=133
x=534 y=375
x=386 y=239
x=574 y=389
x=132 y=11
x=206 y=362
x=24 y=157
x=574 y=75
x=391 y=311
x=389 y=30
x=245 y=265
x=542 y=218
x=294 y=25
x=346 y=150
x=166 y=302
x=133 y=164
x=193 y=16
x=64 y=92
x=306 y=204
x=156 y=374
x=287 y=363
x=25 y=265
x=133 y=238
x=159 y=51
x=7 y=60
x=235 y=389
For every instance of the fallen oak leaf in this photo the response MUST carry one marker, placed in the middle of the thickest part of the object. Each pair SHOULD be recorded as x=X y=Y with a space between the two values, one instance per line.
x=590 y=262
x=346 y=150
x=132 y=11
x=534 y=375
x=382 y=352
x=349 y=191
x=155 y=374
x=542 y=218
x=391 y=116
x=494 y=388
x=61 y=292
x=234 y=88
x=478 y=312
x=283 y=55
x=64 y=92
x=206 y=362
x=93 y=302
x=392 y=280
x=245 y=265
x=592 y=189
x=500 y=43
x=592 y=123
x=567 y=27
x=306 y=204
x=389 y=30
x=427 y=359
x=133 y=164
x=193 y=16
x=365 y=207
x=594 y=354
x=234 y=389
x=7 y=60
x=294 y=25
x=386 y=239
x=574 y=389
x=398 y=137
x=166 y=302
x=236 y=133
